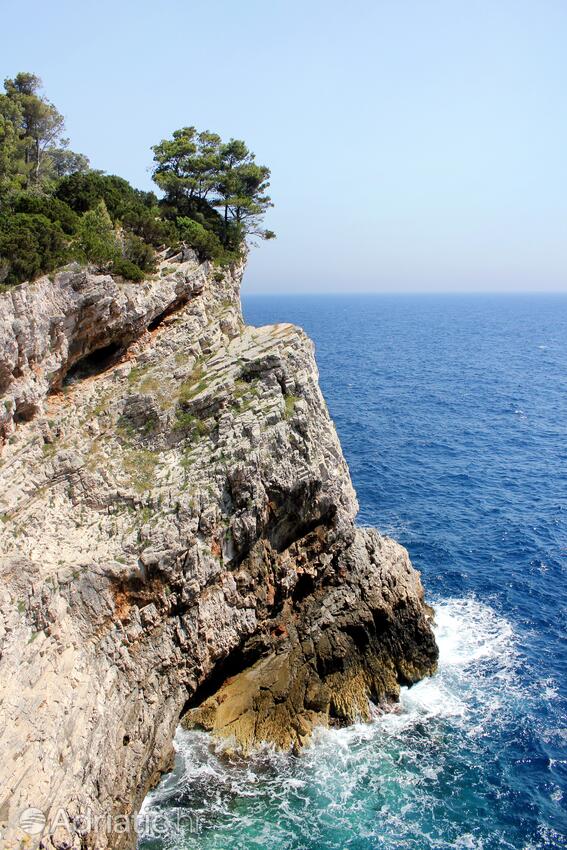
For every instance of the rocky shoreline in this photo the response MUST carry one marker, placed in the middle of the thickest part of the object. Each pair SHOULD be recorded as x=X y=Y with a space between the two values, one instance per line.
x=178 y=539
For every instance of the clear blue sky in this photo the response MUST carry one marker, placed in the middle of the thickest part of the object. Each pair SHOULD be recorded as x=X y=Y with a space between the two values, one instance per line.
x=415 y=145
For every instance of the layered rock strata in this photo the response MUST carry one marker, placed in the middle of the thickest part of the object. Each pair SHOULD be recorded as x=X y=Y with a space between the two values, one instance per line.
x=177 y=538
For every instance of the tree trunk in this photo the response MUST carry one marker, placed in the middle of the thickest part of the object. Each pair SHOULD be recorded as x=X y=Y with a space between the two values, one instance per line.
x=37 y=158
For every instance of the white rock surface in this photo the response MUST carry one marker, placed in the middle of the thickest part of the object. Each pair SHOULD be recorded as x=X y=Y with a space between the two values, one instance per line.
x=175 y=511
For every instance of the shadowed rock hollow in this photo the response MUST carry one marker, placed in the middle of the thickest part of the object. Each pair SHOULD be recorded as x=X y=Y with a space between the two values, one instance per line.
x=177 y=538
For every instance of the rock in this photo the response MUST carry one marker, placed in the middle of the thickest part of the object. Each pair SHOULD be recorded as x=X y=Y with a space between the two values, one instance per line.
x=59 y=321
x=332 y=650
x=177 y=528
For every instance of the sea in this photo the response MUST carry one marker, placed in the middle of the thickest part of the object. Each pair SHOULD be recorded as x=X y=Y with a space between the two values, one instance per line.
x=452 y=413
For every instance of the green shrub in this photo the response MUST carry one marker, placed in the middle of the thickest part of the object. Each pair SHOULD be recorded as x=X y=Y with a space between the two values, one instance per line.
x=227 y=258
x=205 y=242
x=52 y=208
x=190 y=424
x=140 y=253
x=145 y=222
x=96 y=240
x=83 y=192
x=30 y=245
x=127 y=269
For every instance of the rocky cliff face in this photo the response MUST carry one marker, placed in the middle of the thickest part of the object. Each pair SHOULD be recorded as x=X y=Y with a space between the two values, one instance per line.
x=177 y=538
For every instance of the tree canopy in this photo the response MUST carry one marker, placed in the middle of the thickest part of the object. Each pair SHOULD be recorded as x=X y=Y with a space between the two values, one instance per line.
x=193 y=166
x=54 y=208
x=34 y=151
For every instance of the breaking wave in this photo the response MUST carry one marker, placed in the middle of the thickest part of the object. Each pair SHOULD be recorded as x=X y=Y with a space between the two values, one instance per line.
x=423 y=777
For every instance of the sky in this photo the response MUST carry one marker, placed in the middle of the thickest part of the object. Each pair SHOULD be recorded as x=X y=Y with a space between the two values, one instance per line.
x=415 y=145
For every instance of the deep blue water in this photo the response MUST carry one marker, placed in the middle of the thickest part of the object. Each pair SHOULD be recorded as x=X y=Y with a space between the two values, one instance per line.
x=452 y=412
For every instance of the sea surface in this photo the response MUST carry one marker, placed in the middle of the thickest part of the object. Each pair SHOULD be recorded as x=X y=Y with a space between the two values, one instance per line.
x=452 y=412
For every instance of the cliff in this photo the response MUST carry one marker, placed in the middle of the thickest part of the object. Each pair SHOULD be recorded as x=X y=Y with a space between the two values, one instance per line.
x=177 y=539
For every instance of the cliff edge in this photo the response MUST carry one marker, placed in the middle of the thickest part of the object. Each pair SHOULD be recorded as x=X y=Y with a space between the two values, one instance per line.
x=177 y=539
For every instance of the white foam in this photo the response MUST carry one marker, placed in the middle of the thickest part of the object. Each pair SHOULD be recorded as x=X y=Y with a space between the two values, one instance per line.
x=470 y=635
x=398 y=758
x=468 y=631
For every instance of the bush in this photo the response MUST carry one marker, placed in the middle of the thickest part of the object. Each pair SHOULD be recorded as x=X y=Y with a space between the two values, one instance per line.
x=206 y=244
x=136 y=211
x=52 y=208
x=199 y=210
x=30 y=245
x=96 y=240
x=139 y=253
x=127 y=269
x=83 y=192
x=145 y=222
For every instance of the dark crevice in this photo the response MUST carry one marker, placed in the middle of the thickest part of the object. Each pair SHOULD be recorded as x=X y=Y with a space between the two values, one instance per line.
x=334 y=716
x=283 y=534
x=238 y=558
x=158 y=321
x=165 y=314
x=95 y=363
x=305 y=587
x=235 y=662
x=107 y=356
x=25 y=411
x=403 y=680
x=332 y=662
x=290 y=529
x=381 y=621
x=359 y=635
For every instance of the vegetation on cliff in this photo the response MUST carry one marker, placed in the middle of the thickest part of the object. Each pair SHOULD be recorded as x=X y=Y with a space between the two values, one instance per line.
x=54 y=208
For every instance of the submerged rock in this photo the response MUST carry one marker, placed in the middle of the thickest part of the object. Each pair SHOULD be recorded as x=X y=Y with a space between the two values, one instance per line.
x=177 y=538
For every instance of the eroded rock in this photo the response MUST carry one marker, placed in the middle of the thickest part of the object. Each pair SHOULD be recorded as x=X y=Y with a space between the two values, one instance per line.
x=351 y=630
x=180 y=517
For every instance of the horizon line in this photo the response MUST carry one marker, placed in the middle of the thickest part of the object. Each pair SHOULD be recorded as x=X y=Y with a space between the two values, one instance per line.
x=359 y=293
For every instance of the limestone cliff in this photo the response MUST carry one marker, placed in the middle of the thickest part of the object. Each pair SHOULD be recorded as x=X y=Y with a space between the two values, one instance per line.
x=177 y=538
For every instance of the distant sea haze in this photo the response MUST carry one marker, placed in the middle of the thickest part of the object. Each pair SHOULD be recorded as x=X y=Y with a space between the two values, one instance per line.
x=452 y=413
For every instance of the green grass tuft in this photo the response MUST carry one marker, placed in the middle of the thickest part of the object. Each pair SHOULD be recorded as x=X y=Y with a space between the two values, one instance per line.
x=290 y=402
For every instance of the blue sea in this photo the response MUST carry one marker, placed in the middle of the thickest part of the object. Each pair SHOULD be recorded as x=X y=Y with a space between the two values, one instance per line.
x=452 y=412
